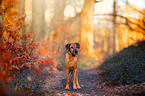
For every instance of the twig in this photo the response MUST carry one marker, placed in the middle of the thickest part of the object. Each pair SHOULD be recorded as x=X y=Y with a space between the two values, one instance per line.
x=127 y=22
x=98 y=1
x=135 y=9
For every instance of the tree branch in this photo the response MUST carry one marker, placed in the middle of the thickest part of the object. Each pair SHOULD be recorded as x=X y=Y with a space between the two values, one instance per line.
x=136 y=9
x=127 y=22
x=143 y=13
x=98 y=1
x=6 y=9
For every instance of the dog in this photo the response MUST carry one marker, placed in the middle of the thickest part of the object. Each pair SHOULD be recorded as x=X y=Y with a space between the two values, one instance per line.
x=71 y=64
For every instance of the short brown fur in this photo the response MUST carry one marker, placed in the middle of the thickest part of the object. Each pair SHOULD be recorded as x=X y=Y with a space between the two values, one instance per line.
x=71 y=63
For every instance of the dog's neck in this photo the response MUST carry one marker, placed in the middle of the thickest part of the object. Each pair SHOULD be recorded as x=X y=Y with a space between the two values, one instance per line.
x=71 y=57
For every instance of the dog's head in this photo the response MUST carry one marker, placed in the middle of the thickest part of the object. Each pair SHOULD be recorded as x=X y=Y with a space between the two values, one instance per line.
x=73 y=48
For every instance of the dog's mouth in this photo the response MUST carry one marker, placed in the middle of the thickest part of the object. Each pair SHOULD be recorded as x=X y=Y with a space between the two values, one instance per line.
x=74 y=55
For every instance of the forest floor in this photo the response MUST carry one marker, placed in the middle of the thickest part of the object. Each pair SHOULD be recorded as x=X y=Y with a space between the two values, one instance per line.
x=87 y=80
x=91 y=85
x=94 y=82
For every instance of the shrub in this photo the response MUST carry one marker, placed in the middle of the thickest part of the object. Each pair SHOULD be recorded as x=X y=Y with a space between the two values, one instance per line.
x=20 y=67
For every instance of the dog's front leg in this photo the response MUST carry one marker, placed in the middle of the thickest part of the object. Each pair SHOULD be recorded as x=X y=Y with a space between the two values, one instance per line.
x=74 y=82
x=77 y=73
x=67 y=79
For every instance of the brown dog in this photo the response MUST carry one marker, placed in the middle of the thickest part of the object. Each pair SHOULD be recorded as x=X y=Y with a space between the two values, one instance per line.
x=71 y=64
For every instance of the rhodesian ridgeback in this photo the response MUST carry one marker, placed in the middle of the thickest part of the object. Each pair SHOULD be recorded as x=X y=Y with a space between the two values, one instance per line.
x=71 y=64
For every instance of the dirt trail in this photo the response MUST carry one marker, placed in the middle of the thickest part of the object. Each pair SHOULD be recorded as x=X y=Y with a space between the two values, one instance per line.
x=88 y=81
x=92 y=85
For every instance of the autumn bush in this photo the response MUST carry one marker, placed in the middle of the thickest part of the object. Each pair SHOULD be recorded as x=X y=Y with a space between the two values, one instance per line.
x=126 y=66
x=20 y=67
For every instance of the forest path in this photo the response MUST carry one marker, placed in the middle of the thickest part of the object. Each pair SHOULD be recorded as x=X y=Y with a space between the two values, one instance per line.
x=87 y=79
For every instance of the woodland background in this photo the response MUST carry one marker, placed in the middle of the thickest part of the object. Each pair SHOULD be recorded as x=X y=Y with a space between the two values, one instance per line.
x=33 y=33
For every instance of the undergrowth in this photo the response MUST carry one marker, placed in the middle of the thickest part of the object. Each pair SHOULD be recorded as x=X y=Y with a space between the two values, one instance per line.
x=126 y=66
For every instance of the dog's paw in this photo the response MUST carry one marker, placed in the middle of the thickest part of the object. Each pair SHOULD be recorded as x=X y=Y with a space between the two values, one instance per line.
x=79 y=87
x=67 y=87
x=74 y=87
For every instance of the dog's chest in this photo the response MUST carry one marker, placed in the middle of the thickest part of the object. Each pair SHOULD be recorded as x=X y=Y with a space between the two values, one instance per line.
x=72 y=64
x=72 y=58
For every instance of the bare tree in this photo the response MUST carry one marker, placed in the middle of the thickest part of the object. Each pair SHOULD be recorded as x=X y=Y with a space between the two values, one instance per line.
x=86 y=29
x=22 y=14
x=37 y=26
x=56 y=22
x=114 y=25
x=43 y=23
x=1 y=22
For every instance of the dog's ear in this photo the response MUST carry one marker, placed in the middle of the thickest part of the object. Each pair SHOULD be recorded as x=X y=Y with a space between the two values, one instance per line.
x=78 y=45
x=67 y=46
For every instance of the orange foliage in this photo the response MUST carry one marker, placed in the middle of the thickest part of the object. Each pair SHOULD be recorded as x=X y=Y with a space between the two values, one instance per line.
x=17 y=50
x=11 y=13
x=20 y=56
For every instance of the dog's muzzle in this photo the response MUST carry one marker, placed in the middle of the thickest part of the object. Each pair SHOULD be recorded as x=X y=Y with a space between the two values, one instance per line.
x=75 y=53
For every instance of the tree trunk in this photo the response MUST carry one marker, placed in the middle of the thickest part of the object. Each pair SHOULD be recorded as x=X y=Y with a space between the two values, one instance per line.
x=114 y=26
x=86 y=28
x=37 y=16
x=28 y=18
x=127 y=30
x=1 y=24
x=22 y=14
x=43 y=23
x=1 y=21
x=56 y=22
